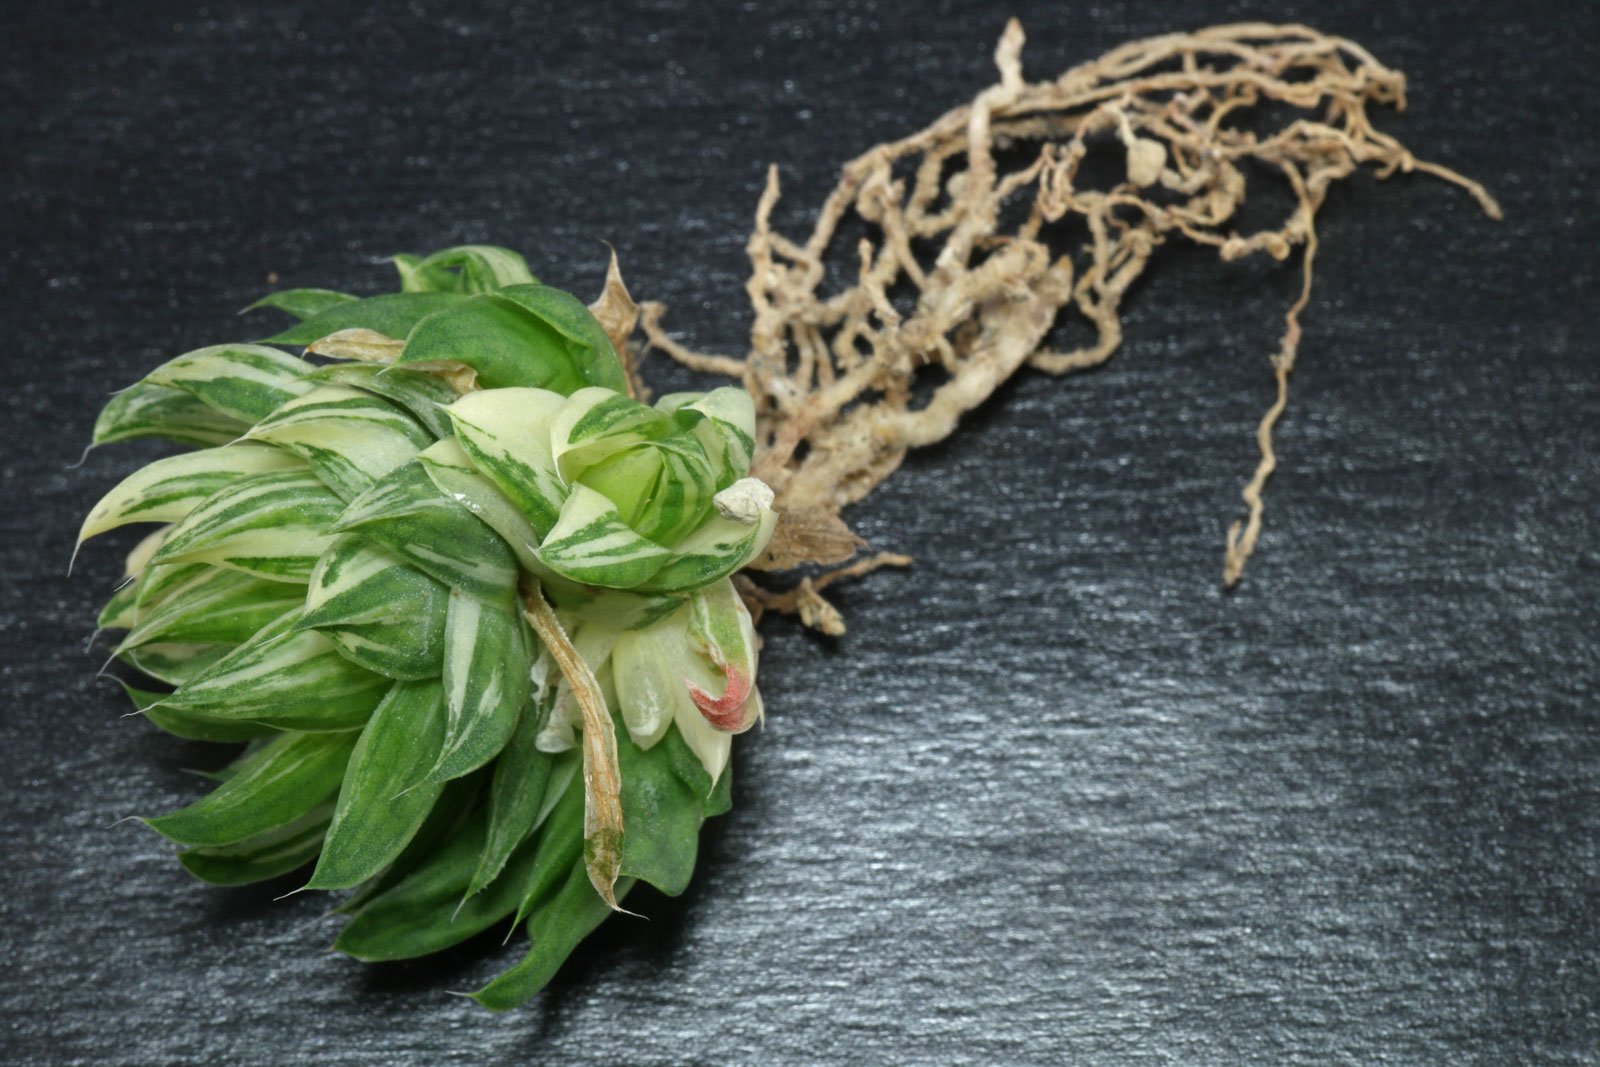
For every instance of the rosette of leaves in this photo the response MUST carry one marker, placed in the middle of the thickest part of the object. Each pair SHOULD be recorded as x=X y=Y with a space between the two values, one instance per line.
x=464 y=602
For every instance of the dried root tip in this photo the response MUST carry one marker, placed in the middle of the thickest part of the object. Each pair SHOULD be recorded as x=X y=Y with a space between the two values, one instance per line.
x=806 y=601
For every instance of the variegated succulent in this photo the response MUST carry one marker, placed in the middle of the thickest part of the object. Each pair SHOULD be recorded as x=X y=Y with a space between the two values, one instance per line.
x=465 y=602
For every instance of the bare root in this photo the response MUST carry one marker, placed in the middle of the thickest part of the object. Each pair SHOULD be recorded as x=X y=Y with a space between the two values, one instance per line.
x=964 y=269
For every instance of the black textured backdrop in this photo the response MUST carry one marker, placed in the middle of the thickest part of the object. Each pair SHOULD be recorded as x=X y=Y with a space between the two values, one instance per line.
x=1055 y=798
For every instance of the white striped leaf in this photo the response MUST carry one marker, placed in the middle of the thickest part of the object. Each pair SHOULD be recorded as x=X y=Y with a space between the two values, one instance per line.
x=241 y=381
x=173 y=664
x=381 y=807
x=149 y=410
x=487 y=664
x=381 y=612
x=189 y=725
x=457 y=477
x=406 y=512
x=284 y=677
x=722 y=544
x=722 y=632
x=482 y=269
x=162 y=580
x=350 y=437
x=595 y=423
x=724 y=420
x=301 y=303
x=274 y=525
x=168 y=489
x=120 y=611
x=281 y=782
x=261 y=856
x=422 y=395
x=507 y=434
x=591 y=544
x=662 y=489
x=214 y=606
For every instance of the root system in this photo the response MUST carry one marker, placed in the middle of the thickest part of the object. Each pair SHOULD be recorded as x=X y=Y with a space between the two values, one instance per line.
x=963 y=267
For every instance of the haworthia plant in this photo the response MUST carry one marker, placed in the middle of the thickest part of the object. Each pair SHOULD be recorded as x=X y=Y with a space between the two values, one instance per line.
x=465 y=601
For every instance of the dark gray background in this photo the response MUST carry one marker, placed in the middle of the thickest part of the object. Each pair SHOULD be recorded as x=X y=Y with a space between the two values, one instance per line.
x=1055 y=798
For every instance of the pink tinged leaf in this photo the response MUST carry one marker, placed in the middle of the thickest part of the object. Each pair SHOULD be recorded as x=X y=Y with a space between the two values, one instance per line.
x=720 y=628
x=732 y=712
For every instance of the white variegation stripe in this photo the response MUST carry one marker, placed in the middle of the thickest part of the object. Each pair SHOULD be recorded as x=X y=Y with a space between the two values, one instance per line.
x=484 y=268
x=213 y=606
x=596 y=422
x=147 y=410
x=481 y=573
x=728 y=430
x=457 y=478
x=422 y=395
x=407 y=513
x=507 y=434
x=722 y=544
x=273 y=524
x=244 y=381
x=592 y=544
x=168 y=489
x=350 y=437
x=486 y=683
x=274 y=672
x=142 y=552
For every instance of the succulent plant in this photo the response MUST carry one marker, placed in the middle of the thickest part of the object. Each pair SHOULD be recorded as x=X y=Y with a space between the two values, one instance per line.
x=465 y=603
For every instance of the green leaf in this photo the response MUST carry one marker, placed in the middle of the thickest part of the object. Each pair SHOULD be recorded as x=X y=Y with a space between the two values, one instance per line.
x=506 y=432
x=244 y=382
x=415 y=278
x=591 y=544
x=661 y=817
x=427 y=910
x=487 y=661
x=555 y=929
x=482 y=269
x=149 y=410
x=173 y=664
x=524 y=335
x=406 y=512
x=381 y=612
x=301 y=303
x=586 y=340
x=119 y=612
x=350 y=437
x=392 y=314
x=292 y=679
x=188 y=725
x=274 y=525
x=263 y=856
x=449 y=816
x=422 y=395
x=559 y=844
x=285 y=781
x=214 y=606
x=168 y=489
x=516 y=793
x=377 y=814
x=454 y=475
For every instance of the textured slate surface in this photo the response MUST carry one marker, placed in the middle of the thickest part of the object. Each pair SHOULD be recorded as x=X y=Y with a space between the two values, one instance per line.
x=1055 y=797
